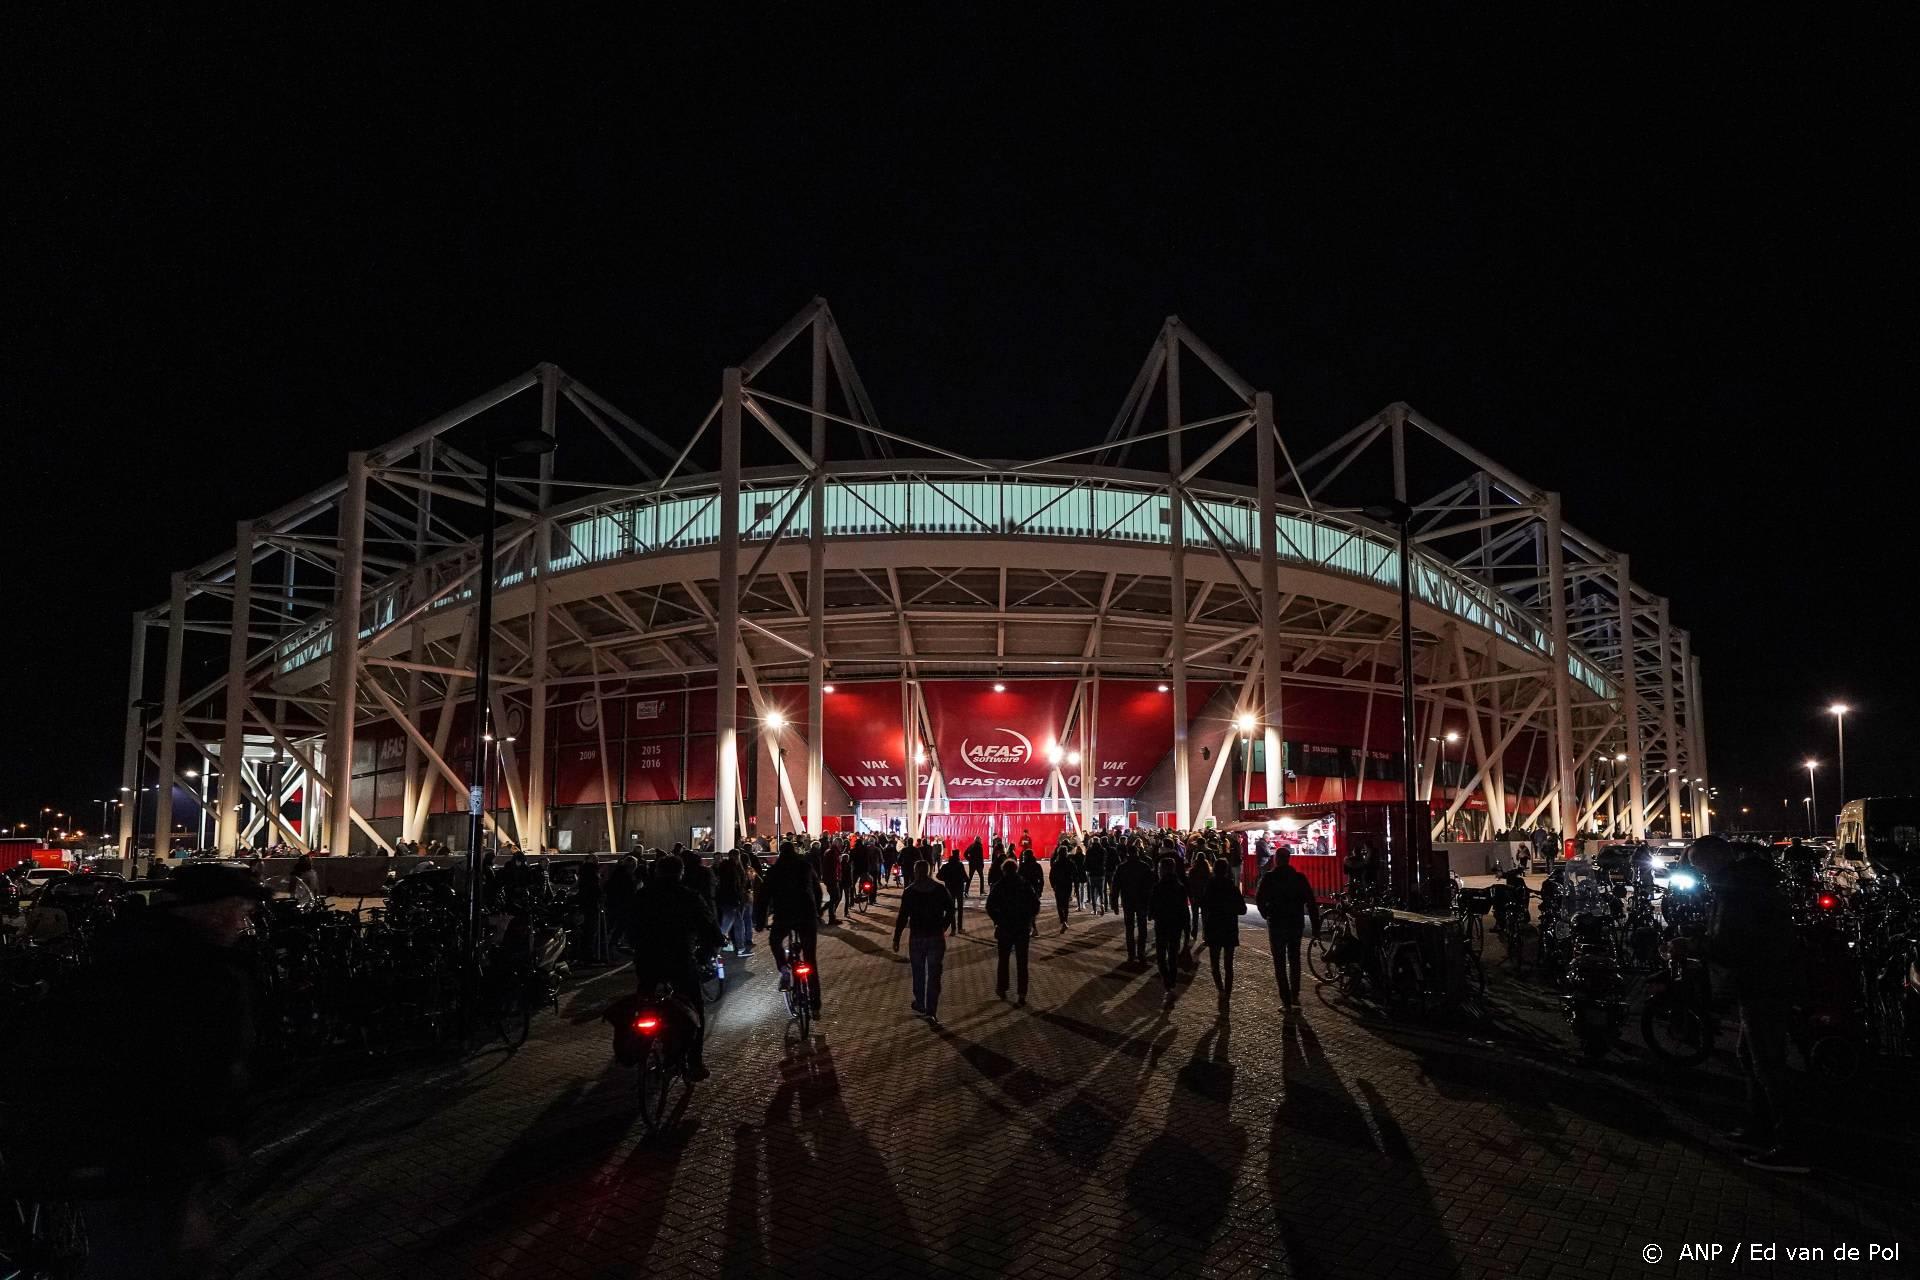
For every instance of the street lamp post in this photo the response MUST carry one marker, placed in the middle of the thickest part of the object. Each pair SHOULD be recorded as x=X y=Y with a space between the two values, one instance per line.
x=1813 y=793
x=1839 y=712
x=482 y=659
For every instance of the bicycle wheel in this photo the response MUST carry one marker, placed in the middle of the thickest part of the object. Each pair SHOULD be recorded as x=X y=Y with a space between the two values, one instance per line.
x=803 y=1011
x=1523 y=948
x=1317 y=963
x=1476 y=974
x=514 y=1015
x=656 y=1089
x=1675 y=1031
x=712 y=988
x=1476 y=934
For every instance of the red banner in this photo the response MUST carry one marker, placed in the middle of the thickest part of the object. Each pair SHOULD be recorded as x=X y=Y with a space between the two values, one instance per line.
x=653 y=768
x=864 y=739
x=577 y=777
x=1133 y=734
x=997 y=745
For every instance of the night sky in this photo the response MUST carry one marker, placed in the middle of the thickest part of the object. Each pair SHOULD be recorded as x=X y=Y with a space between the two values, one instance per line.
x=1669 y=273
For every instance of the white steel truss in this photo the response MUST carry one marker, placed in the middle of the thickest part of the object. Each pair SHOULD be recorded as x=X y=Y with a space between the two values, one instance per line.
x=617 y=561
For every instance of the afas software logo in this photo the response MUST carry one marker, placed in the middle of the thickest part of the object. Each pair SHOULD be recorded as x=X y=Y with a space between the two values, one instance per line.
x=1010 y=752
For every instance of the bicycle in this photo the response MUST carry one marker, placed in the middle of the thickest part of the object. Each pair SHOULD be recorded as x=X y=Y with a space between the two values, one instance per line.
x=798 y=991
x=662 y=1057
x=1471 y=906
x=713 y=979
x=40 y=1239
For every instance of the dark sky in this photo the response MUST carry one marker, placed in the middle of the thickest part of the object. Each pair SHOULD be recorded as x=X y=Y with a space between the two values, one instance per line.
x=1666 y=272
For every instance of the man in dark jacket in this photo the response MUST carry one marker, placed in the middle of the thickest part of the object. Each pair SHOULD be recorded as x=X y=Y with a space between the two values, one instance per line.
x=1168 y=907
x=171 y=998
x=791 y=904
x=927 y=910
x=1286 y=899
x=1134 y=884
x=1012 y=907
x=953 y=875
x=1063 y=880
x=1097 y=875
x=1751 y=937
x=671 y=925
x=976 y=865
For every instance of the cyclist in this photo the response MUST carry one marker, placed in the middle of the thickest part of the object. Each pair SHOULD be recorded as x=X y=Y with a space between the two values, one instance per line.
x=791 y=904
x=670 y=924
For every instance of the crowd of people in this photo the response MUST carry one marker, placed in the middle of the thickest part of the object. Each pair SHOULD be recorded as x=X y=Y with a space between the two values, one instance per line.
x=1176 y=893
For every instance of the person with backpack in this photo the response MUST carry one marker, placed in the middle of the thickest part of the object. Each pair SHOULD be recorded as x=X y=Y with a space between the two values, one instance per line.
x=1012 y=905
x=1063 y=878
x=927 y=910
x=1168 y=907
x=1751 y=937
x=1133 y=884
x=1036 y=878
x=1221 y=906
x=1286 y=899
x=953 y=875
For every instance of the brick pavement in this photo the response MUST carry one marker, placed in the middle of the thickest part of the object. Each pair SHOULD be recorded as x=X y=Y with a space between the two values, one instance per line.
x=1093 y=1133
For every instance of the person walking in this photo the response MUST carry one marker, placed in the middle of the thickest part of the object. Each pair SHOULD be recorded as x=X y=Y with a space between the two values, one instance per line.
x=730 y=901
x=1221 y=906
x=1036 y=878
x=926 y=909
x=976 y=865
x=1134 y=885
x=1286 y=899
x=588 y=896
x=1097 y=876
x=1012 y=906
x=953 y=875
x=1197 y=877
x=1168 y=907
x=1751 y=936
x=1063 y=880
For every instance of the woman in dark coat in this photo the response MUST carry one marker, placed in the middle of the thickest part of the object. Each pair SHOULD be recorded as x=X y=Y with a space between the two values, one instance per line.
x=1221 y=906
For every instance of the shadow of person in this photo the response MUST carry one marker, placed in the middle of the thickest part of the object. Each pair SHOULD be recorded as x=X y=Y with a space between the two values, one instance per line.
x=1180 y=1186
x=1325 y=1143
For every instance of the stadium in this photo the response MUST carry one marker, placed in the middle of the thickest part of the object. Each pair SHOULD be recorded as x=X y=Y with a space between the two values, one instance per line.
x=1123 y=632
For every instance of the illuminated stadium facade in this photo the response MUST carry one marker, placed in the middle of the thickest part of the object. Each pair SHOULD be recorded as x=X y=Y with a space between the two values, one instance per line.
x=1114 y=633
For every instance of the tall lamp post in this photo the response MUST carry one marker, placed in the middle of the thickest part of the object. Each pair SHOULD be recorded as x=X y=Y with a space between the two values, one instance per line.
x=1399 y=513
x=1839 y=713
x=1813 y=794
x=526 y=446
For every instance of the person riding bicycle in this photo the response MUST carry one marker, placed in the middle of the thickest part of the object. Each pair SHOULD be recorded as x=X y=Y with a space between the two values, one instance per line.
x=791 y=904
x=670 y=925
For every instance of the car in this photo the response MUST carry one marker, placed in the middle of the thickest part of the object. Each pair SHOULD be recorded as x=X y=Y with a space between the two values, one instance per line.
x=41 y=876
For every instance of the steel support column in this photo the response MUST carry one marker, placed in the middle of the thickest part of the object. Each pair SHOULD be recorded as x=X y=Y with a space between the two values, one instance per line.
x=1562 y=678
x=536 y=798
x=817 y=592
x=1670 y=729
x=910 y=768
x=1177 y=570
x=345 y=680
x=1089 y=729
x=1269 y=596
x=233 y=741
x=169 y=718
x=1697 y=751
x=132 y=746
x=1630 y=706
x=726 y=694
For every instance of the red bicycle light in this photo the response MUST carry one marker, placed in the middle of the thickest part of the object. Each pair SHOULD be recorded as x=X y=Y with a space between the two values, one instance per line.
x=1827 y=901
x=646 y=1024
x=802 y=970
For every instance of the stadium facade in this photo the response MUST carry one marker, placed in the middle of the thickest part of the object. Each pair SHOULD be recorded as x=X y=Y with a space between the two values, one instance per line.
x=1127 y=631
